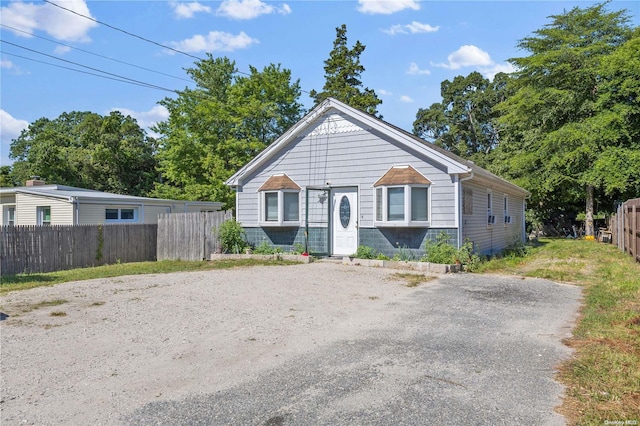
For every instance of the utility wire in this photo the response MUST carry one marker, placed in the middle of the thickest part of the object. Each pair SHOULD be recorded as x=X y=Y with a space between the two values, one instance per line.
x=93 y=53
x=123 y=31
x=77 y=70
x=88 y=67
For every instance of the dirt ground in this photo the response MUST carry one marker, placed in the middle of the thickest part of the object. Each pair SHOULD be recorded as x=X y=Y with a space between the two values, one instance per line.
x=114 y=344
x=108 y=351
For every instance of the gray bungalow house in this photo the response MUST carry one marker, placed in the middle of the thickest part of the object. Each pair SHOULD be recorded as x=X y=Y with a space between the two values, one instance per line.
x=340 y=178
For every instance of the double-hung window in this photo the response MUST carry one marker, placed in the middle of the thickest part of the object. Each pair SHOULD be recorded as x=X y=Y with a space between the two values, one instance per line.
x=491 y=218
x=280 y=202
x=402 y=198
x=507 y=218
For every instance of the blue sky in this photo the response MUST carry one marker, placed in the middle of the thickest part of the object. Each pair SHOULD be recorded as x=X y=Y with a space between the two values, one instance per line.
x=411 y=47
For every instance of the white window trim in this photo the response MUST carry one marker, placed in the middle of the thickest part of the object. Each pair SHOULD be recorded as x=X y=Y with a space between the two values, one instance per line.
x=280 y=222
x=119 y=220
x=8 y=215
x=40 y=215
x=407 y=222
x=507 y=218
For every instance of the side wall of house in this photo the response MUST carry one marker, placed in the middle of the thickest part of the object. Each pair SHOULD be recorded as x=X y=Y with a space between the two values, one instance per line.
x=94 y=213
x=339 y=152
x=491 y=238
x=27 y=210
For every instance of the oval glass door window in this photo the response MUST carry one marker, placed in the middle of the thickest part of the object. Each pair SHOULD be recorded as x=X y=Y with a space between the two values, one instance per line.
x=345 y=211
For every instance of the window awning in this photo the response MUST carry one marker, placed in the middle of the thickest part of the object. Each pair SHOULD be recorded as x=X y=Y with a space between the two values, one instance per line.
x=278 y=182
x=402 y=175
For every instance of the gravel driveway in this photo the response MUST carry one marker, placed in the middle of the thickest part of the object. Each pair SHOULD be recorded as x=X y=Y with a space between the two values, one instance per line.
x=307 y=344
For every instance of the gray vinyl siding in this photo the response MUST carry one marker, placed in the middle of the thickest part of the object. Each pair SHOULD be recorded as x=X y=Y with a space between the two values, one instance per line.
x=489 y=239
x=353 y=157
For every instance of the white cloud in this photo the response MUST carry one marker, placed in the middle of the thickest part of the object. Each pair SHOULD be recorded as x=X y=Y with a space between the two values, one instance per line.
x=472 y=56
x=61 y=50
x=406 y=99
x=413 y=28
x=415 y=70
x=384 y=92
x=10 y=129
x=249 y=9
x=6 y=64
x=184 y=10
x=58 y=23
x=386 y=7
x=466 y=56
x=214 y=41
x=147 y=119
x=491 y=72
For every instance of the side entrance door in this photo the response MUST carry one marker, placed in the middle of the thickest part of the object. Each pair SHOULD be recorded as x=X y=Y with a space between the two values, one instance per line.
x=344 y=221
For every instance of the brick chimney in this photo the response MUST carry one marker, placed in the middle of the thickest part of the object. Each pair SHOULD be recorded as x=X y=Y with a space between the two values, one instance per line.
x=35 y=181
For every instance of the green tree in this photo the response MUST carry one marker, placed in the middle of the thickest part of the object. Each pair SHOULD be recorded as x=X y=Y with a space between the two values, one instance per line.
x=6 y=177
x=217 y=127
x=464 y=122
x=342 y=76
x=106 y=153
x=575 y=110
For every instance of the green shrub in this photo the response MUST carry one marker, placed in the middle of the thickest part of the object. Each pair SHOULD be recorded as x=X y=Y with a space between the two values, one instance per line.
x=232 y=237
x=365 y=252
x=440 y=251
x=264 y=248
x=298 y=248
x=382 y=256
x=404 y=254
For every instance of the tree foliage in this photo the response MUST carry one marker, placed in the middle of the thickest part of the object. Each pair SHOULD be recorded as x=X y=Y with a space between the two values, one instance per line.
x=106 y=153
x=342 y=76
x=217 y=127
x=464 y=122
x=572 y=126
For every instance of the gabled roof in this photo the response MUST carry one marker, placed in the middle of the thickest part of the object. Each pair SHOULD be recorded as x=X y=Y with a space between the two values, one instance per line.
x=454 y=164
x=70 y=193
x=402 y=175
x=278 y=182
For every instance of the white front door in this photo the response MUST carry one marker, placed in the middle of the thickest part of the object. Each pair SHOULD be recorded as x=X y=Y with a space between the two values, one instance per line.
x=344 y=221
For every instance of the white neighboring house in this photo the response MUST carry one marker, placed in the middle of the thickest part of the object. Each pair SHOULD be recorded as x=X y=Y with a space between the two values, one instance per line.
x=340 y=178
x=40 y=204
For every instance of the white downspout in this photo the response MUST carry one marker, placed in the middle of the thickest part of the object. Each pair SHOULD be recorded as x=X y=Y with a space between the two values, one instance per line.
x=459 y=205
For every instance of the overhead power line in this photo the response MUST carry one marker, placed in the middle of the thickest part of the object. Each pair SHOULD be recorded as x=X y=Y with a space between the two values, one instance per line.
x=88 y=67
x=93 y=53
x=123 y=31
x=77 y=70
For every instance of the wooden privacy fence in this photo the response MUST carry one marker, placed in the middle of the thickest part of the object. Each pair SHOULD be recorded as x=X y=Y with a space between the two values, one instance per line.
x=38 y=249
x=189 y=236
x=626 y=228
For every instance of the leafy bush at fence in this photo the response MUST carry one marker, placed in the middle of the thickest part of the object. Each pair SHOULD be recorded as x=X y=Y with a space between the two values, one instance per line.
x=232 y=237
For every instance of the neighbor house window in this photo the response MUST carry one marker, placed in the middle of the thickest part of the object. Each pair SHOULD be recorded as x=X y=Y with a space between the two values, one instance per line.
x=280 y=200
x=11 y=216
x=44 y=215
x=402 y=198
x=129 y=214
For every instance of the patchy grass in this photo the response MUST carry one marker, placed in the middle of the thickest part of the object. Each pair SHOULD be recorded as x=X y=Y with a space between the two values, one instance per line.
x=58 y=314
x=27 y=281
x=603 y=376
x=412 y=280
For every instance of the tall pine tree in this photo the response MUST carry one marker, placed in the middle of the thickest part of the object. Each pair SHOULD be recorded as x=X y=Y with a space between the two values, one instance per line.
x=342 y=76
